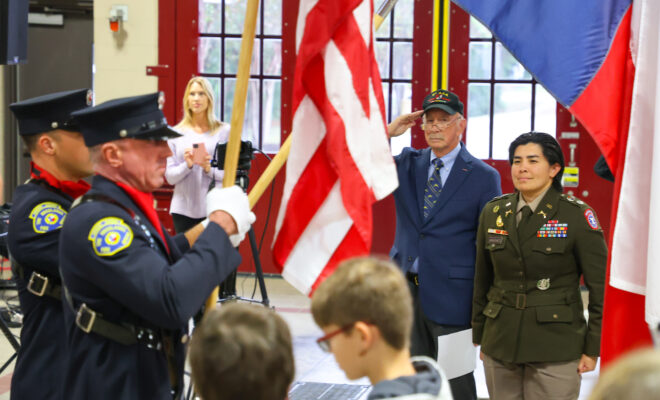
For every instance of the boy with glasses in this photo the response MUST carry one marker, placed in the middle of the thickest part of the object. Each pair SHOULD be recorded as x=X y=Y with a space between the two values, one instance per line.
x=365 y=310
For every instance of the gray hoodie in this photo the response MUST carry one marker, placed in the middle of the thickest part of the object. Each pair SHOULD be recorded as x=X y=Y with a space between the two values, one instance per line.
x=429 y=383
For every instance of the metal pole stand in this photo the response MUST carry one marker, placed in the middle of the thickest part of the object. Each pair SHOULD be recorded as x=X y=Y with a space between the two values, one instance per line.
x=229 y=284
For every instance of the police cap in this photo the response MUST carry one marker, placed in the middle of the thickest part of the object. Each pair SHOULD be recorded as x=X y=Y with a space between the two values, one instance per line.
x=50 y=112
x=137 y=117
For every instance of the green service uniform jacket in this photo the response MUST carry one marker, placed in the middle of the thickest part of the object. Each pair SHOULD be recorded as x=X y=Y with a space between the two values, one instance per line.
x=527 y=305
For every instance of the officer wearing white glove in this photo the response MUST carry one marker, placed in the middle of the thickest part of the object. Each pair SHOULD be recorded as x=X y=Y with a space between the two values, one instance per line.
x=234 y=202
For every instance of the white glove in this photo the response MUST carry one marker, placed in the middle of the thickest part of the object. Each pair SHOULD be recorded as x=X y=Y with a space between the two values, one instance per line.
x=234 y=202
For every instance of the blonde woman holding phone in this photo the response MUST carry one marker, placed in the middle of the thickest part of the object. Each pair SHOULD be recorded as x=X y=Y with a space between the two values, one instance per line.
x=189 y=168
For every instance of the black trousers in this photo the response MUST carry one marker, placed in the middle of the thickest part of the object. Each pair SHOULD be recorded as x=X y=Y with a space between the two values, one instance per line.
x=424 y=342
x=183 y=223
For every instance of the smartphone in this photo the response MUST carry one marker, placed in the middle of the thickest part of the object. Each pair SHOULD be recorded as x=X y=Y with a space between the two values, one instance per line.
x=199 y=153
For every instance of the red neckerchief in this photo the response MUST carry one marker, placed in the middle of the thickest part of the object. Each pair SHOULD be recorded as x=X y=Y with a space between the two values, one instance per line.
x=73 y=189
x=145 y=201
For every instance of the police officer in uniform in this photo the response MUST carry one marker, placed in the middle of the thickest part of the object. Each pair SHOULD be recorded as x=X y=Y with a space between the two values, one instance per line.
x=130 y=287
x=532 y=247
x=59 y=161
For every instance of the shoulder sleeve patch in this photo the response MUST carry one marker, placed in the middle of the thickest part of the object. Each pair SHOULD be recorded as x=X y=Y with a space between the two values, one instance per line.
x=109 y=236
x=591 y=219
x=47 y=216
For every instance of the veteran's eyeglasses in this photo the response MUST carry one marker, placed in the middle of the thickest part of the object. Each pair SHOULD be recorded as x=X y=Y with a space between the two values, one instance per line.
x=442 y=124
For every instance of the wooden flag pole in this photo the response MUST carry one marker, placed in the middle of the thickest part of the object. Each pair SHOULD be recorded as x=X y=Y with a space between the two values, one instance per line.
x=278 y=161
x=238 y=110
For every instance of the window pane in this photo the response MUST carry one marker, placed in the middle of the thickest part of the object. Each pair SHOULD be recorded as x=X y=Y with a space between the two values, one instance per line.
x=478 y=120
x=273 y=17
x=478 y=30
x=545 y=114
x=271 y=115
x=402 y=60
x=507 y=67
x=386 y=100
x=383 y=59
x=251 y=122
x=272 y=57
x=232 y=52
x=401 y=104
x=215 y=85
x=403 y=19
x=210 y=16
x=512 y=116
x=235 y=16
x=480 y=60
x=209 y=55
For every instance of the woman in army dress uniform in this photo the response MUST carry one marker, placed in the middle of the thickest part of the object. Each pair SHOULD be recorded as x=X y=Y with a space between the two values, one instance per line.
x=532 y=247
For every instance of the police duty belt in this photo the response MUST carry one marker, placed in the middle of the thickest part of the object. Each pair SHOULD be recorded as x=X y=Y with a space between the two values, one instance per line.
x=124 y=333
x=39 y=284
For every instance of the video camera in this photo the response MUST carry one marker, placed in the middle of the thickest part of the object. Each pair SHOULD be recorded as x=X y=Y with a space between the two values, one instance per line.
x=245 y=157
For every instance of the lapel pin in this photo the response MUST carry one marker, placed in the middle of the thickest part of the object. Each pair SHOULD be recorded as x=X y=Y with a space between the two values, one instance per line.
x=496 y=209
x=507 y=213
x=542 y=213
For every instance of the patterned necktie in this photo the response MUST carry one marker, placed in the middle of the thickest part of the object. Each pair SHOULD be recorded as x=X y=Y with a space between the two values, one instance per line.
x=433 y=188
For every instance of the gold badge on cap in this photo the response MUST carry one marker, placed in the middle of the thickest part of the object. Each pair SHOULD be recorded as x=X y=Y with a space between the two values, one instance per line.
x=54 y=125
x=543 y=284
x=90 y=97
x=499 y=222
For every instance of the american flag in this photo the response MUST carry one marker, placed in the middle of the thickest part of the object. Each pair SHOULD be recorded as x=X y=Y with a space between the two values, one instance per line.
x=340 y=161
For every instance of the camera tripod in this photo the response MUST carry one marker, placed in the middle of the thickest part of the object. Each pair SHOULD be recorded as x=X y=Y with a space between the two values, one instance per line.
x=228 y=286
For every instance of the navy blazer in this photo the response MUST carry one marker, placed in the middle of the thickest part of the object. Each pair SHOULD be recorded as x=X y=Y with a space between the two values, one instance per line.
x=140 y=284
x=445 y=242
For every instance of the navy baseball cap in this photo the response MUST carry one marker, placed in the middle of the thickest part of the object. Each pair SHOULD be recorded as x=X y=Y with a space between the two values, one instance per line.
x=443 y=100
x=137 y=117
x=50 y=112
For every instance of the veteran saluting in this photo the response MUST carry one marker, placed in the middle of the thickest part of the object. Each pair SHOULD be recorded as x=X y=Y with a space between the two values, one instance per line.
x=532 y=247
x=130 y=288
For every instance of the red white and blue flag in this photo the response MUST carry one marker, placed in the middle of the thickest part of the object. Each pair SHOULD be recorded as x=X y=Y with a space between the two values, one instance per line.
x=599 y=58
x=340 y=161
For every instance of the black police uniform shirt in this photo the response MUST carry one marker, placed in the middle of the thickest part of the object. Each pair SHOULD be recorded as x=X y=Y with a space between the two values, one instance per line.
x=120 y=266
x=39 y=209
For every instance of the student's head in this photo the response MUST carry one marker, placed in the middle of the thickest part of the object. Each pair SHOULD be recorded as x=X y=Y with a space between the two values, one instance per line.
x=364 y=304
x=536 y=163
x=634 y=376
x=242 y=351
x=198 y=99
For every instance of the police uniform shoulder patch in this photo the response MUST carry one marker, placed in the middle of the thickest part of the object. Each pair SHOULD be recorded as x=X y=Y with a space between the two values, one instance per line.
x=47 y=216
x=109 y=236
